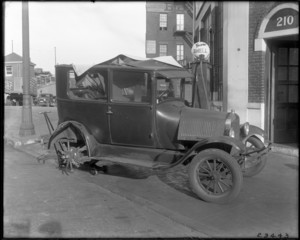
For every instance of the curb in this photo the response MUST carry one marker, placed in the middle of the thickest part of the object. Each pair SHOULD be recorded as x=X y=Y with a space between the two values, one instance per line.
x=282 y=149
x=275 y=148
x=16 y=143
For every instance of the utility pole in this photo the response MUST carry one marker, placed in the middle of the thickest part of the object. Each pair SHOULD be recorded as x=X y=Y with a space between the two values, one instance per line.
x=54 y=56
x=27 y=127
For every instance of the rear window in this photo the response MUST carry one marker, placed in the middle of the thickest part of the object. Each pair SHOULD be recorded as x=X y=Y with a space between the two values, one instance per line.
x=90 y=86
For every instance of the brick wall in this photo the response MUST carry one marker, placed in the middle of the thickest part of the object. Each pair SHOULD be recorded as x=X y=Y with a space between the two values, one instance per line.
x=257 y=11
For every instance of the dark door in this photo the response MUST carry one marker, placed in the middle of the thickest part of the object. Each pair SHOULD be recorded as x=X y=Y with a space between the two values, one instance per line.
x=87 y=102
x=130 y=111
x=286 y=92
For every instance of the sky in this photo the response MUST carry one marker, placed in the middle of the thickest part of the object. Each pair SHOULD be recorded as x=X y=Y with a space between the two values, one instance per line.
x=76 y=32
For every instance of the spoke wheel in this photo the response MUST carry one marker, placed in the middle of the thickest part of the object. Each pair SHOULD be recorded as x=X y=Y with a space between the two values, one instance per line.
x=215 y=176
x=253 y=163
x=69 y=154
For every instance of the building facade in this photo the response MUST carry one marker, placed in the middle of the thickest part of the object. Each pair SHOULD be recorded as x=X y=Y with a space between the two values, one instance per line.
x=254 y=62
x=13 y=70
x=45 y=82
x=169 y=30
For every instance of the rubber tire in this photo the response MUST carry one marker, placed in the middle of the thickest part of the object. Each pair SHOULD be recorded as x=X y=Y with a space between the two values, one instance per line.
x=231 y=164
x=260 y=166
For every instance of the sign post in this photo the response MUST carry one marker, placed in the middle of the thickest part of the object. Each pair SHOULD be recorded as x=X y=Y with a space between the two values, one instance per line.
x=200 y=51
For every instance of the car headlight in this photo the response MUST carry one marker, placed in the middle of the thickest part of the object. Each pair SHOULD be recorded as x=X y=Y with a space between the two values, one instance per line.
x=245 y=129
x=231 y=133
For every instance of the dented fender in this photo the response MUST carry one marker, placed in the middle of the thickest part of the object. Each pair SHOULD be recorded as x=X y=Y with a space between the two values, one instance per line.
x=89 y=139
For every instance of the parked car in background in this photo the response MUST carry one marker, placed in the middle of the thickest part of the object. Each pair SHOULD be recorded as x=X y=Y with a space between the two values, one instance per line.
x=53 y=102
x=45 y=99
x=35 y=101
x=16 y=98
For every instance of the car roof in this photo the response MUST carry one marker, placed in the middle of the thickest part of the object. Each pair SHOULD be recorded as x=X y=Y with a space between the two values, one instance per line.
x=166 y=65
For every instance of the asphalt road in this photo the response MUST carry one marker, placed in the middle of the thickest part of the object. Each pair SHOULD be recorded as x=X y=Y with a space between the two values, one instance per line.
x=39 y=201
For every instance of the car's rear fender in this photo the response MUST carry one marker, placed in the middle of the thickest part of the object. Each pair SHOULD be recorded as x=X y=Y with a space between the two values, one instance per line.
x=72 y=128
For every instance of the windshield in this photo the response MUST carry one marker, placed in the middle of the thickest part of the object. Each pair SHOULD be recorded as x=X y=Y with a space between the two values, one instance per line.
x=174 y=88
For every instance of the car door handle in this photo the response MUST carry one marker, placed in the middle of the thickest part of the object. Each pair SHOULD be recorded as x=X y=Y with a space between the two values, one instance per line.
x=109 y=112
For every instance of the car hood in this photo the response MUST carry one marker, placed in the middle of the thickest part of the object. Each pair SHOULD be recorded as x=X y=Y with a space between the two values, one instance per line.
x=196 y=124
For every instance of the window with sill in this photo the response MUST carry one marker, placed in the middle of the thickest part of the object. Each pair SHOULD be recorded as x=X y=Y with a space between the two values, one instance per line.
x=9 y=71
x=163 y=21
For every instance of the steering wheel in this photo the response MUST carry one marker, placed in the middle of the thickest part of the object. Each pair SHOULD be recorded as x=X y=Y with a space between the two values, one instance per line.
x=163 y=93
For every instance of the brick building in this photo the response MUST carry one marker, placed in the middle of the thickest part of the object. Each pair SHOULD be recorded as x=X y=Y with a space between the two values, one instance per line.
x=253 y=63
x=13 y=70
x=169 y=30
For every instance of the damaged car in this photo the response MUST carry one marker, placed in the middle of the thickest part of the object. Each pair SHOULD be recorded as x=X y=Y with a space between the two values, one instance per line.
x=137 y=112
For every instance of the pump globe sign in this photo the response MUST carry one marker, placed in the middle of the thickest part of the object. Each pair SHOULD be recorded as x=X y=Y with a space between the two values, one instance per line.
x=200 y=49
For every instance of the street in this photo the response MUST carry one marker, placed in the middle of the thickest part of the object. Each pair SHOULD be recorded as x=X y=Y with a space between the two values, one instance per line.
x=40 y=201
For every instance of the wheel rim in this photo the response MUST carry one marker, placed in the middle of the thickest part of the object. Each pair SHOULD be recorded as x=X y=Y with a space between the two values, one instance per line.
x=214 y=176
x=69 y=156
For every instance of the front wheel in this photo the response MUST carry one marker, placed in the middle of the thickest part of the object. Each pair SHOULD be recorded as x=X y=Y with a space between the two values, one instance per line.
x=215 y=176
x=254 y=163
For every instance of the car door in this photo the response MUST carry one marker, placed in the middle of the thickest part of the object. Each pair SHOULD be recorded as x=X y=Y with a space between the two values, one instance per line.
x=130 y=112
x=86 y=102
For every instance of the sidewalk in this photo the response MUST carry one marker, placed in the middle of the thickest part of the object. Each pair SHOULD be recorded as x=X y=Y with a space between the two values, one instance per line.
x=13 y=119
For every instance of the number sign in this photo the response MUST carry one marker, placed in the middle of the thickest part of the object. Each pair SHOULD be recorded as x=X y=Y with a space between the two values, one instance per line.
x=284 y=19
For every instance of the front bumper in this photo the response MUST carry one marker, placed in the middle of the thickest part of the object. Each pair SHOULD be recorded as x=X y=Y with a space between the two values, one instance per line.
x=260 y=152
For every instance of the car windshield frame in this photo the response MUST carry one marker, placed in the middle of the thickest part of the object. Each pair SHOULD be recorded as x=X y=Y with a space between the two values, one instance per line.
x=167 y=89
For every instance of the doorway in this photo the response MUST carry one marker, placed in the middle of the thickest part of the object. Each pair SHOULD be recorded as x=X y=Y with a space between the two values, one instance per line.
x=285 y=97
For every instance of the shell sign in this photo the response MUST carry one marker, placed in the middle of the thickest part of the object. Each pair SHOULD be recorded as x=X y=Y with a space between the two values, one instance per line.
x=200 y=49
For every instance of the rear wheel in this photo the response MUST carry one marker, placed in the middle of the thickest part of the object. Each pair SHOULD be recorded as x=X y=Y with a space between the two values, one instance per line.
x=69 y=154
x=253 y=163
x=215 y=176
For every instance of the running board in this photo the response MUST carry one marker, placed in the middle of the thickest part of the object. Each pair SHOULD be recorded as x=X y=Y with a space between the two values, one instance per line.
x=135 y=162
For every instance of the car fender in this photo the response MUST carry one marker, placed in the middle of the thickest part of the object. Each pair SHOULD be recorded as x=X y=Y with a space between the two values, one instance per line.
x=257 y=132
x=233 y=142
x=89 y=139
x=237 y=147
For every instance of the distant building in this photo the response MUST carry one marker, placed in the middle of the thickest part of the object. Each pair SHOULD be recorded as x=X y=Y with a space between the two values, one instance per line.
x=169 y=30
x=48 y=88
x=13 y=69
x=43 y=77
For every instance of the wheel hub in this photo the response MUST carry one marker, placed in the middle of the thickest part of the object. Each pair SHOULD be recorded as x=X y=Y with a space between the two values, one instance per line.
x=216 y=175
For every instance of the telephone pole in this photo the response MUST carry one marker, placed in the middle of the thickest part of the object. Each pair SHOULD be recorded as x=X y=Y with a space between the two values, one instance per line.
x=27 y=127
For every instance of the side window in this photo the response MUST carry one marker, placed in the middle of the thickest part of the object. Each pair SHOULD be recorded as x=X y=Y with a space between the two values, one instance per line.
x=131 y=87
x=92 y=85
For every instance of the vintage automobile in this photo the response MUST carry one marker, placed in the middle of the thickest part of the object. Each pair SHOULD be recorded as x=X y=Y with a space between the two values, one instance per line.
x=135 y=112
x=45 y=99
x=53 y=102
x=16 y=98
